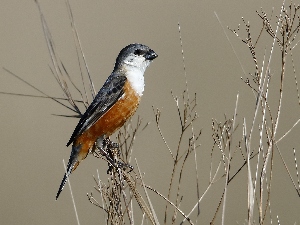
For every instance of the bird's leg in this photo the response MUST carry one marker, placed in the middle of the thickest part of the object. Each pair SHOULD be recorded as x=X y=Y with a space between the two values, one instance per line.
x=114 y=151
x=110 y=150
x=101 y=148
x=125 y=166
x=98 y=148
x=120 y=164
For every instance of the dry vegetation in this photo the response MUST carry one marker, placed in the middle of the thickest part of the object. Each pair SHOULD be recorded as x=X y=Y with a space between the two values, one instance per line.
x=248 y=144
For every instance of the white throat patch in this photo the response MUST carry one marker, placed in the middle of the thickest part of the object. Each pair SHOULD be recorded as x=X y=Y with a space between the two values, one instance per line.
x=135 y=76
x=135 y=67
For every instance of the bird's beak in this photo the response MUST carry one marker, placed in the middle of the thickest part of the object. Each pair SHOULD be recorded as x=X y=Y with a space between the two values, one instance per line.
x=150 y=55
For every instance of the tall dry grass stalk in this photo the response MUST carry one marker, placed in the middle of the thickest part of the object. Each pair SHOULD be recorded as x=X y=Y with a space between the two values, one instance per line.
x=283 y=35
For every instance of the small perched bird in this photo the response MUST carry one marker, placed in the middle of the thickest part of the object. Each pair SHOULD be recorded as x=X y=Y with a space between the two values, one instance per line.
x=114 y=104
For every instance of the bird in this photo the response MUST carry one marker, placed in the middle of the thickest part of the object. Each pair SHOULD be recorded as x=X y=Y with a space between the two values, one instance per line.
x=114 y=104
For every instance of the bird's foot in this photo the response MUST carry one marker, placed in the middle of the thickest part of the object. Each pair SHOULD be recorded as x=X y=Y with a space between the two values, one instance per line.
x=110 y=150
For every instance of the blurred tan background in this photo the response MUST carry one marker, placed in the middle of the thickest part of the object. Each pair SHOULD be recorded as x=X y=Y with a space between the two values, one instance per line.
x=33 y=140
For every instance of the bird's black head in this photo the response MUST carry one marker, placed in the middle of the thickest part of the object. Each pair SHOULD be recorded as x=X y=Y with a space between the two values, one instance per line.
x=135 y=54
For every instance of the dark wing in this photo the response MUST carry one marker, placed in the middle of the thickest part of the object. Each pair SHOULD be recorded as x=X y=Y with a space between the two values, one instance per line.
x=111 y=91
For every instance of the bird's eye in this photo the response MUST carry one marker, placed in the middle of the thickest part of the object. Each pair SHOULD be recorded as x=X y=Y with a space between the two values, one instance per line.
x=138 y=52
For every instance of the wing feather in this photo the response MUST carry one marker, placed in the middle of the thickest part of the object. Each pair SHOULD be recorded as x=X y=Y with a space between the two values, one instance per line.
x=108 y=95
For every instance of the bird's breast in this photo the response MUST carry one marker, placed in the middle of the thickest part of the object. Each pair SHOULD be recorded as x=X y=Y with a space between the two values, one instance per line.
x=120 y=112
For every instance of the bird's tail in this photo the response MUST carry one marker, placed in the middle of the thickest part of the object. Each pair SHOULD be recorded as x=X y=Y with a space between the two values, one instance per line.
x=72 y=164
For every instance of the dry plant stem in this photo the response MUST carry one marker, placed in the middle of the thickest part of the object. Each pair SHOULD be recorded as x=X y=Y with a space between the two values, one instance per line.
x=127 y=202
x=126 y=137
x=114 y=196
x=148 y=198
x=270 y=150
x=197 y=175
x=229 y=140
x=295 y=76
x=179 y=183
x=36 y=96
x=288 y=34
x=138 y=197
x=235 y=53
x=264 y=80
x=101 y=194
x=269 y=185
x=171 y=203
x=222 y=136
x=172 y=176
x=60 y=77
x=287 y=169
x=78 y=46
x=286 y=133
x=77 y=54
x=297 y=173
x=57 y=71
x=212 y=222
x=282 y=66
x=40 y=91
x=157 y=114
x=95 y=202
x=186 y=119
x=263 y=106
x=122 y=189
x=212 y=181
x=251 y=192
